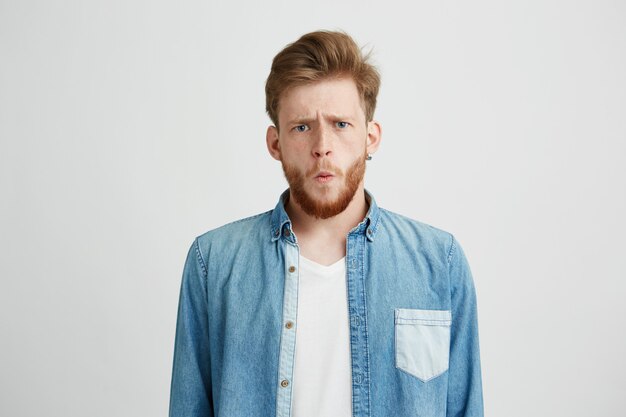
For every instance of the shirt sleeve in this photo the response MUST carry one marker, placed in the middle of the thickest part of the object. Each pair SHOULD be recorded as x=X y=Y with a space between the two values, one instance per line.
x=190 y=393
x=465 y=397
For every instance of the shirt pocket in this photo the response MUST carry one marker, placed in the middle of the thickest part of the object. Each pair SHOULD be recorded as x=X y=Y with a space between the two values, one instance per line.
x=422 y=342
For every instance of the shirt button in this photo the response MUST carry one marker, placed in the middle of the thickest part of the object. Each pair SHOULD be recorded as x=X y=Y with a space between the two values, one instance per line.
x=289 y=324
x=292 y=269
x=287 y=232
x=277 y=232
x=369 y=232
x=284 y=383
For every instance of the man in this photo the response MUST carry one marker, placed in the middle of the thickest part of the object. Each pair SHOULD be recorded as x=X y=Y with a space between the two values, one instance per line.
x=327 y=305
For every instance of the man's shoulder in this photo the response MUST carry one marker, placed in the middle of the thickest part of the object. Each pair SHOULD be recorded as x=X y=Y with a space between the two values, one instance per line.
x=237 y=230
x=401 y=225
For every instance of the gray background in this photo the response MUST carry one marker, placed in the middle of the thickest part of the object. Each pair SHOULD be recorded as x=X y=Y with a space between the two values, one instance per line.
x=130 y=127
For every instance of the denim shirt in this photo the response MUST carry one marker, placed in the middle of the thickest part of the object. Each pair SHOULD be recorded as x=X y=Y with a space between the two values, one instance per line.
x=412 y=313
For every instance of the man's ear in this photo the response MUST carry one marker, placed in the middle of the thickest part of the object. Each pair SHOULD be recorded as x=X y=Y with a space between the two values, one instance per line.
x=374 y=135
x=273 y=146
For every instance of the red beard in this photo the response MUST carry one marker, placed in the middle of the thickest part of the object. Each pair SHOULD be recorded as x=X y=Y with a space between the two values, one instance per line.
x=324 y=210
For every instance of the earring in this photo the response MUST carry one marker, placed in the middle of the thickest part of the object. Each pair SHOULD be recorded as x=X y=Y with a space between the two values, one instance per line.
x=369 y=157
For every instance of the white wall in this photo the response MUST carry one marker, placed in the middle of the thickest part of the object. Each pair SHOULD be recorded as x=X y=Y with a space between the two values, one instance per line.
x=127 y=128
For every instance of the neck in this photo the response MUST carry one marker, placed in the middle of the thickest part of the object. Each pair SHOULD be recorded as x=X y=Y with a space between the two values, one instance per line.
x=305 y=225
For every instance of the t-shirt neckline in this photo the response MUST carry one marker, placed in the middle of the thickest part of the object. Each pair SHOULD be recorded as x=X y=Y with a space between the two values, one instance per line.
x=326 y=268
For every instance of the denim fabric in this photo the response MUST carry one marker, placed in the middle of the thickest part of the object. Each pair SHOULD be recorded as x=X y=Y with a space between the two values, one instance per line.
x=412 y=314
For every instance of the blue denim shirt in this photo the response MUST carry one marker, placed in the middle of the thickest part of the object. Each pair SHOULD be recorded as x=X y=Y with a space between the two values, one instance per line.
x=412 y=314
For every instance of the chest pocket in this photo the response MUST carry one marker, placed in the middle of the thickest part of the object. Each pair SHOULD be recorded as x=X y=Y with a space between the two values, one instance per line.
x=422 y=342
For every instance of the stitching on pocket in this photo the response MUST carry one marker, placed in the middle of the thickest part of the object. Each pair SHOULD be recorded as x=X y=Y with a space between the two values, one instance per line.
x=422 y=342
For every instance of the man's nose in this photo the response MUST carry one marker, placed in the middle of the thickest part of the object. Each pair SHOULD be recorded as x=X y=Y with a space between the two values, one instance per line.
x=323 y=143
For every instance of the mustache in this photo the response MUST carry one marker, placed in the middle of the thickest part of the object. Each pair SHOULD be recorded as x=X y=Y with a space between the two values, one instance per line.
x=324 y=167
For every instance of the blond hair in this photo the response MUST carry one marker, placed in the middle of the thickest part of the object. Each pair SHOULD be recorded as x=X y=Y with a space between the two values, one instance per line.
x=316 y=56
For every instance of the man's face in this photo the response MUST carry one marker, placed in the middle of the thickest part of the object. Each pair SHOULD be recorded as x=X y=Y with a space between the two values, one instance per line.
x=322 y=144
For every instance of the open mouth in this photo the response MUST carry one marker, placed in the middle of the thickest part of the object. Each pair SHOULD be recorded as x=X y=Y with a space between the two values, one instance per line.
x=324 y=178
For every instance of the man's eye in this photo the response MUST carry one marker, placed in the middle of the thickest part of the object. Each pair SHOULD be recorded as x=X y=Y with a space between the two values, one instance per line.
x=342 y=125
x=301 y=128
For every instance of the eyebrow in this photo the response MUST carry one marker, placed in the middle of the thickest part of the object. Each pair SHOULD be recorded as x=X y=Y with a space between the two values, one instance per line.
x=309 y=119
x=301 y=120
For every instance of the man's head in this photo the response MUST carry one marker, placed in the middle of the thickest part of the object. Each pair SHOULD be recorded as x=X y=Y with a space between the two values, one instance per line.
x=317 y=56
x=321 y=95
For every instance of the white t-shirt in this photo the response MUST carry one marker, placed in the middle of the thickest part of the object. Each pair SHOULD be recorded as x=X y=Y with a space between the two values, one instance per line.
x=322 y=381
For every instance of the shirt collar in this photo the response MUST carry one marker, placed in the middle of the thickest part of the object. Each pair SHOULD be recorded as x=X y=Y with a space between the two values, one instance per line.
x=281 y=224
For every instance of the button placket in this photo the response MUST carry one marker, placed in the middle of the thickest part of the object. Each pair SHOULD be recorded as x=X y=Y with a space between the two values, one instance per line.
x=290 y=304
x=358 y=321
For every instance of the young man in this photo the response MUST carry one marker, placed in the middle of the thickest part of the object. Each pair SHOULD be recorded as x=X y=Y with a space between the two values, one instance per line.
x=327 y=305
